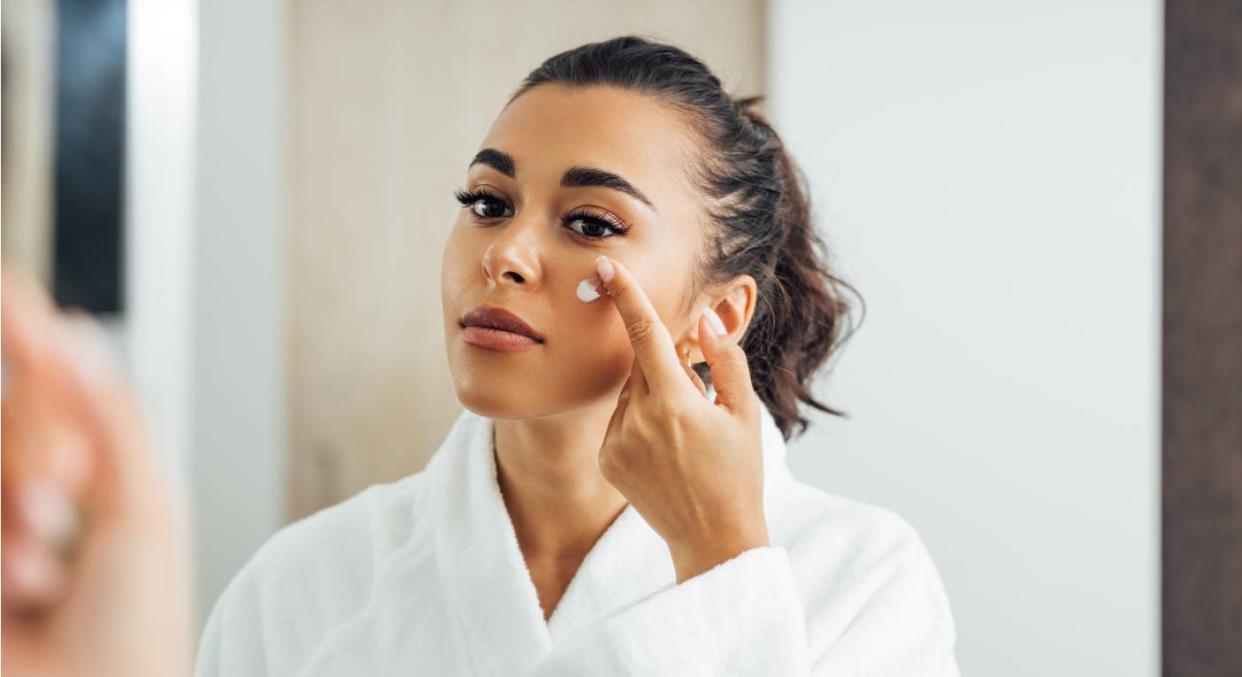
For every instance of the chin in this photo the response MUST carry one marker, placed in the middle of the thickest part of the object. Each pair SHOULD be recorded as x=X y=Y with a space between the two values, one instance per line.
x=494 y=403
x=504 y=389
x=522 y=403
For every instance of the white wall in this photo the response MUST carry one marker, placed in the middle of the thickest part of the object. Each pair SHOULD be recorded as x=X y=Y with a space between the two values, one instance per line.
x=240 y=455
x=204 y=324
x=989 y=176
x=156 y=329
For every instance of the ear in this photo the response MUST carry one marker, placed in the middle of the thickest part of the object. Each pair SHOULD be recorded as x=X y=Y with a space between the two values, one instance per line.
x=735 y=304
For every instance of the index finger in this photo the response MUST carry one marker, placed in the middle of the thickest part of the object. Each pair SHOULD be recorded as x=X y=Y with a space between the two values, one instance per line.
x=653 y=346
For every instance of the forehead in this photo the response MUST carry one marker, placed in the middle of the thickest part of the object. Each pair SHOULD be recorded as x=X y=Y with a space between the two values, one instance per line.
x=552 y=127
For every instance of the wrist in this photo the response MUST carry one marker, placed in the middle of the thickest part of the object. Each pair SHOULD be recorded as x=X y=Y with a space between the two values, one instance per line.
x=692 y=559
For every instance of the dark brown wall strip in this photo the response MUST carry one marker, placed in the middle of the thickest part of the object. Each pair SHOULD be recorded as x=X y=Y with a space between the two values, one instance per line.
x=1202 y=347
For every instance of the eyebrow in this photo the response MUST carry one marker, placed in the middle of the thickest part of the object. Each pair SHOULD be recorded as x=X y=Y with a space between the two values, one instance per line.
x=574 y=177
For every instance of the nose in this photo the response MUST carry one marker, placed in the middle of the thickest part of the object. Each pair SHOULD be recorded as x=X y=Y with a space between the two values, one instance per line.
x=512 y=258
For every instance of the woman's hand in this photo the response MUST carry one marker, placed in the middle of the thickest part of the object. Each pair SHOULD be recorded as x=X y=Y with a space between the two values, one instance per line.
x=692 y=468
x=95 y=562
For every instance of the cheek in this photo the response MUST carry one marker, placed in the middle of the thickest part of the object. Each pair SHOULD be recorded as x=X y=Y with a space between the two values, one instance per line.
x=666 y=281
x=598 y=357
x=592 y=343
x=593 y=335
x=590 y=337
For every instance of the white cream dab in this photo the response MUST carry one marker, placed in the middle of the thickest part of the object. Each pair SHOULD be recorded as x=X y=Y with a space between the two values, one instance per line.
x=587 y=289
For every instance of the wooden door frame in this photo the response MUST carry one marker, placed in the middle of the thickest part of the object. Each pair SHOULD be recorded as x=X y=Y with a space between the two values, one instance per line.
x=1201 y=539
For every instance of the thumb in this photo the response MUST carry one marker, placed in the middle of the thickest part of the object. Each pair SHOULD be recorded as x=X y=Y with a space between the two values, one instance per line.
x=727 y=360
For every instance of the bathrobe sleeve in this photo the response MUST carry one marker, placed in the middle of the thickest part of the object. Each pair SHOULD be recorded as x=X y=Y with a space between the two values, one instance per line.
x=741 y=617
x=746 y=616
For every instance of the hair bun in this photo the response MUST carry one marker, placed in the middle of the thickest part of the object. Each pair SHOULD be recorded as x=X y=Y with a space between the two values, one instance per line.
x=747 y=104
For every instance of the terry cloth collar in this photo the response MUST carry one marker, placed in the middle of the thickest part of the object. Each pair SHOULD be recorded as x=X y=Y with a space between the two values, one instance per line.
x=486 y=582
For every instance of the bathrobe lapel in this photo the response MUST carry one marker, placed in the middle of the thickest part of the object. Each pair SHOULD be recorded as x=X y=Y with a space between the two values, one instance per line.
x=487 y=585
x=485 y=577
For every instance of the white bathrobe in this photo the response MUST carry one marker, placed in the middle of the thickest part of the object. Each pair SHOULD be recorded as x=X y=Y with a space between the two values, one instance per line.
x=423 y=576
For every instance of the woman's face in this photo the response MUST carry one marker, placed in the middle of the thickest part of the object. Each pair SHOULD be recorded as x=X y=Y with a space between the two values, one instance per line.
x=561 y=172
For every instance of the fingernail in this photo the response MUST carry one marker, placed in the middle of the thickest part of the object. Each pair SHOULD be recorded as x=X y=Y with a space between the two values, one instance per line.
x=48 y=510
x=586 y=290
x=32 y=572
x=714 y=323
x=604 y=267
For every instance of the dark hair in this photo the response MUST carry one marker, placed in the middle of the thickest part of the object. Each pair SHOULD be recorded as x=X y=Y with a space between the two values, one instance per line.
x=759 y=207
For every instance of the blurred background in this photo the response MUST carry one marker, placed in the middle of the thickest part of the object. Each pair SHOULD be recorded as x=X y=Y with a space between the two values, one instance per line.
x=254 y=196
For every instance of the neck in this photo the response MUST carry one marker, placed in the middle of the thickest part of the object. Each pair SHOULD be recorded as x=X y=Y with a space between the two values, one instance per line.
x=548 y=471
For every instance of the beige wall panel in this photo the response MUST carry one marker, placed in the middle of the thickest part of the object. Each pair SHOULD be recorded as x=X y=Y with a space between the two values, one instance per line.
x=28 y=121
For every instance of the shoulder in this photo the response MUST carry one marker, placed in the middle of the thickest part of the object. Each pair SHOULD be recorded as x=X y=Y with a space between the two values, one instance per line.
x=306 y=578
x=341 y=544
x=811 y=520
x=864 y=574
x=353 y=534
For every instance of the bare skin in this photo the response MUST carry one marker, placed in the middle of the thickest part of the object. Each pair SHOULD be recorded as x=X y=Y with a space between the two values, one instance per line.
x=553 y=403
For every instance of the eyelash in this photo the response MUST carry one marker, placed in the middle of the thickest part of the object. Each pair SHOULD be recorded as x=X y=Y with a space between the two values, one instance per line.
x=469 y=198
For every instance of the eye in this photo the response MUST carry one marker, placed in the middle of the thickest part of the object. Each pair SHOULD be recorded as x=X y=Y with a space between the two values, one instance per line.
x=584 y=224
x=594 y=226
x=483 y=205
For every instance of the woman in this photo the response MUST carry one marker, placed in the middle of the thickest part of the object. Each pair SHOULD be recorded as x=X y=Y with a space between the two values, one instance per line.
x=601 y=506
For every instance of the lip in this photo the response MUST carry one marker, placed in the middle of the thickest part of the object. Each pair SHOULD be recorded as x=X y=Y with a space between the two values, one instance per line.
x=498 y=329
